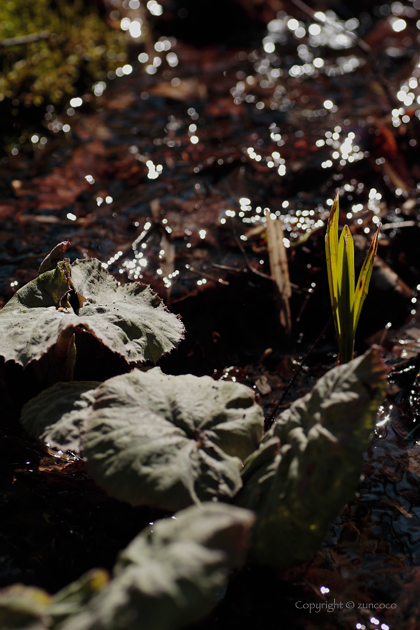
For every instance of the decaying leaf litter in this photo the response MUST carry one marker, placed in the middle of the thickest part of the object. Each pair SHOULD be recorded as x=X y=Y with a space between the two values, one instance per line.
x=130 y=184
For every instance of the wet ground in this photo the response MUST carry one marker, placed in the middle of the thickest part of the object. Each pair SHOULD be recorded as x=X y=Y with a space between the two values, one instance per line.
x=164 y=173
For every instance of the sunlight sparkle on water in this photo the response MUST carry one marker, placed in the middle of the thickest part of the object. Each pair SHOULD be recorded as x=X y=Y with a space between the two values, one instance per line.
x=398 y=25
x=292 y=24
x=154 y=170
x=314 y=29
x=135 y=29
x=112 y=259
x=99 y=88
x=162 y=44
x=134 y=268
x=384 y=413
x=155 y=8
x=125 y=24
x=172 y=59
x=76 y=102
x=269 y=46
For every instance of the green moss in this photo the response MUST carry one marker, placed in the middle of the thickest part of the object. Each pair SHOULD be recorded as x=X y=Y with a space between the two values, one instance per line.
x=78 y=48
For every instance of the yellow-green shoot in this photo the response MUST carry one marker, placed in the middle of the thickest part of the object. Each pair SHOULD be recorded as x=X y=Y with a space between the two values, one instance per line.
x=346 y=299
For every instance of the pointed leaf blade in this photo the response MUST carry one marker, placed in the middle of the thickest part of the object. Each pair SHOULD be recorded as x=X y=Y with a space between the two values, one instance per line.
x=346 y=294
x=331 y=249
x=362 y=287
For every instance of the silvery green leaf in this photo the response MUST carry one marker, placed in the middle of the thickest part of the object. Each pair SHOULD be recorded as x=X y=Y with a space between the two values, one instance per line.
x=24 y=608
x=169 y=441
x=214 y=525
x=172 y=573
x=130 y=320
x=297 y=491
x=55 y=415
x=33 y=320
x=73 y=597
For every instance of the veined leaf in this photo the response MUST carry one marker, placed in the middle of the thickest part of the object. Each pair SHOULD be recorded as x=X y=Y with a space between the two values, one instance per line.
x=364 y=280
x=170 y=576
x=215 y=525
x=309 y=464
x=56 y=414
x=24 y=608
x=170 y=441
x=130 y=320
x=172 y=573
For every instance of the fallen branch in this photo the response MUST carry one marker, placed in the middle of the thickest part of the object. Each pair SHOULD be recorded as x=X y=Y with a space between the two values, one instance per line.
x=24 y=39
x=279 y=269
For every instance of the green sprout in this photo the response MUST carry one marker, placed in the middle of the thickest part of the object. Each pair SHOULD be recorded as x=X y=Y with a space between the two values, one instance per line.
x=346 y=300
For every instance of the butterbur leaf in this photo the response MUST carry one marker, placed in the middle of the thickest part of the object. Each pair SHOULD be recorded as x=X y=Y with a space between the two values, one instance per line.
x=31 y=608
x=130 y=320
x=24 y=607
x=55 y=415
x=169 y=441
x=73 y=597
x=345 y=401
x=32 y=321
x=297 y=491
x=213 y=525
x=172 y=573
